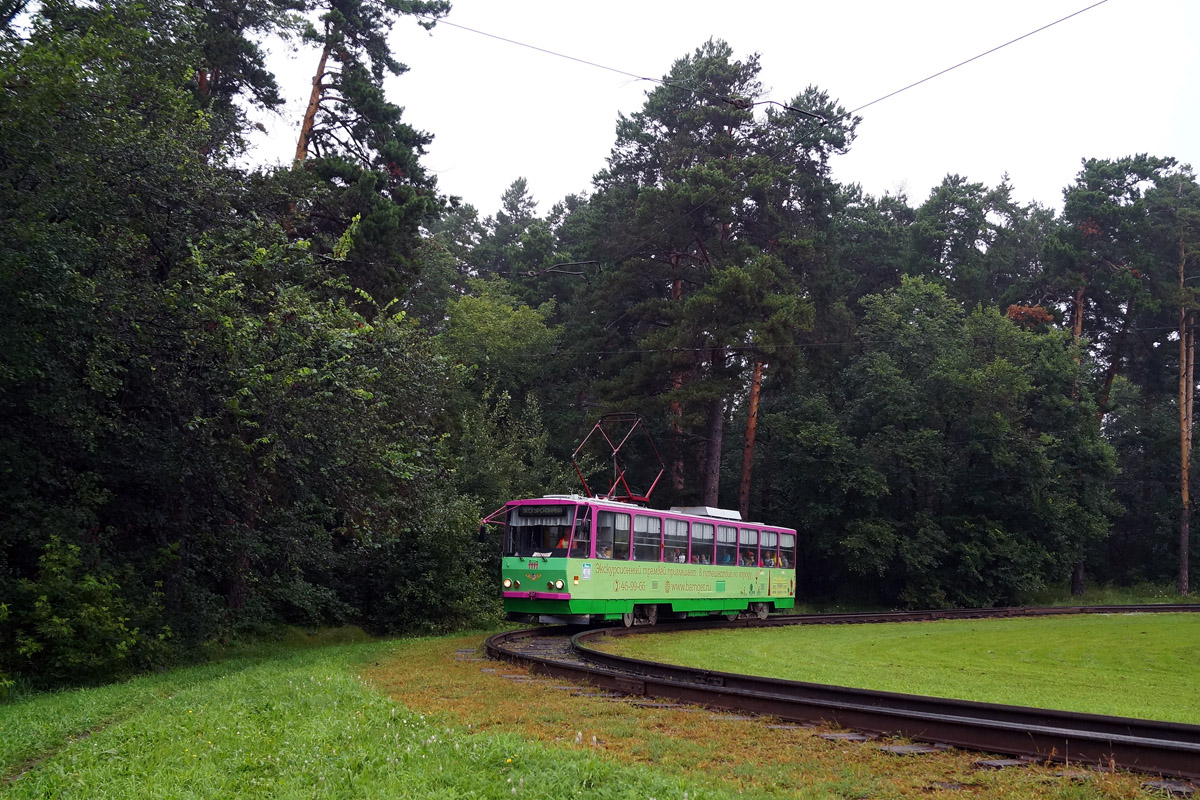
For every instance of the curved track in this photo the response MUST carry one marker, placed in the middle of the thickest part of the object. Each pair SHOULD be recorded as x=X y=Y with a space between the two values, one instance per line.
x=1164 y=748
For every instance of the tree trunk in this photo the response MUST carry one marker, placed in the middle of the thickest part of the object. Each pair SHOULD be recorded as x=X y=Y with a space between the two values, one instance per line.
x=674 y=414
x=1077 y=315
x=1187 y=394
x=1184 y=534
x=716 y=434
x=1115 y=360
x=712 y=453
x=765 y=498
x=1077 y=572
x=1187 y=390
x=678 y=374
x=310 y=114
x=1185 y=460
x=748 y=447
x=1078 y=583
x=235 y=586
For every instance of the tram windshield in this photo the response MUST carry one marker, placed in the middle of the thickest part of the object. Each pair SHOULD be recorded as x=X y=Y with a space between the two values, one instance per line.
x=581 y=542
x=539 y=531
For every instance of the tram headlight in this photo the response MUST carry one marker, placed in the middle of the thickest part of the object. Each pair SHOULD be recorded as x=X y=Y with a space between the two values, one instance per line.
x=559 y=584
x=508 y=583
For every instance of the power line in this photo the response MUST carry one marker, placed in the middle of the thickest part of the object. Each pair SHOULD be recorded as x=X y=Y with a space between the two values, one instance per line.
x=743 y=103
x=736 y=102
x=976 y=58
x=534 y=47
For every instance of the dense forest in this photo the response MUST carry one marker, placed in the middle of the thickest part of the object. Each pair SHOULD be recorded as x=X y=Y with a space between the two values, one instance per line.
x=234 y=397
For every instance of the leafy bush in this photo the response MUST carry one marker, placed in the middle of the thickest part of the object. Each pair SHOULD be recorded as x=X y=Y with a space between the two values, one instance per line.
x=75 y=625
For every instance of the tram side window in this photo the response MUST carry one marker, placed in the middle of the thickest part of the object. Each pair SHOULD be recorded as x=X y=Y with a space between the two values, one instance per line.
x=787 y=550
x=748 y=548
x=702 y=543
x=675 y=541
x=621 y=537
x=647 y=538
x=770 y=549
x=604 y=534
x=612 y=535
x=581 y=541
x=727 y=542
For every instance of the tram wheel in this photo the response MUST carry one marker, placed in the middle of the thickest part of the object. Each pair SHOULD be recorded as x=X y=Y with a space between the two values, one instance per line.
x=731 y=616
x=760 y=610
x=627 y=619
x=651 y=614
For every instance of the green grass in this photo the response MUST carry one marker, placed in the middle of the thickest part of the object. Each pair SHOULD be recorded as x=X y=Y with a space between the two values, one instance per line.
x=1137 y=594
x=1126 y=665
x=416 y=719
x=292 y=724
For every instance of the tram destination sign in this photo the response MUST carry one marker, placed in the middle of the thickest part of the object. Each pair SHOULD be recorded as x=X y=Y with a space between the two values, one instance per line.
x=543 y=511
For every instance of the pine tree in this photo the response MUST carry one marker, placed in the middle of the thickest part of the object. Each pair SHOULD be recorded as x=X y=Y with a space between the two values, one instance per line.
x=354 y=143
x=712 y=217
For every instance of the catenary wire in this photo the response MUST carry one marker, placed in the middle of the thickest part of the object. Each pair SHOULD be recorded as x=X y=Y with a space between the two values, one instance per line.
x=737 y=102
x=743 y=104
x=975 y=58
x=774 y=156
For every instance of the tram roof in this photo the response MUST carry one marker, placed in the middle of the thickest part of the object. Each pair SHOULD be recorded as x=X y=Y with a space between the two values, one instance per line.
x=704 y=512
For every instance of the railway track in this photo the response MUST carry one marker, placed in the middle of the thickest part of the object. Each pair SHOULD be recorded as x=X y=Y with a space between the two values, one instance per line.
x=1161 y=748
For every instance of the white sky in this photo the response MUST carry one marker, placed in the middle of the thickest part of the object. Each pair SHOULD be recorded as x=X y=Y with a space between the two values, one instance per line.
x=1119 y=79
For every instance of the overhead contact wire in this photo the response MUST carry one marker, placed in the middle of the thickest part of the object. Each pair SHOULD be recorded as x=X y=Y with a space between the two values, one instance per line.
x=976 y=58
x=743 y=104
x=736 y=102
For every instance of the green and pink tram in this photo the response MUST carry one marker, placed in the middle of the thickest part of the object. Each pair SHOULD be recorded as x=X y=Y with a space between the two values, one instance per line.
x=580 y=560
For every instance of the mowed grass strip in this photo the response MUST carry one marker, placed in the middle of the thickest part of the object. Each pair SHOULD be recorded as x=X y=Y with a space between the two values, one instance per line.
x=1129 y=665
x=296 y=725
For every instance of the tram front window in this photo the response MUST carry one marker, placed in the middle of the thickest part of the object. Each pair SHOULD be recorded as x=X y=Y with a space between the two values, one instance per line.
x=581 y=542
x=539 y=531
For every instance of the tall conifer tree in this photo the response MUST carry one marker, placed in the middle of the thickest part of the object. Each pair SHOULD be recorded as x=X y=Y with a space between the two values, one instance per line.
x=709 y=213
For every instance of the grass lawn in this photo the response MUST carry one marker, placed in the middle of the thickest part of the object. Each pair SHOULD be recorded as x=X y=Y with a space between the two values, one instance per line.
x=424 y=718
x=1133 y=665
x=293 y=725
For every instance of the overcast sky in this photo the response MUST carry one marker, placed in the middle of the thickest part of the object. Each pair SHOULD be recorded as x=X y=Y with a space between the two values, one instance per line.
x=1121 y=78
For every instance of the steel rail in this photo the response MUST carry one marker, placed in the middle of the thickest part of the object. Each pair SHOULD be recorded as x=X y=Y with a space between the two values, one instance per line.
x=1166 y=748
